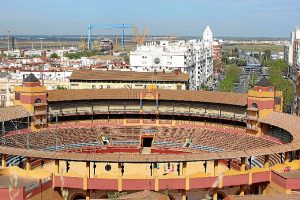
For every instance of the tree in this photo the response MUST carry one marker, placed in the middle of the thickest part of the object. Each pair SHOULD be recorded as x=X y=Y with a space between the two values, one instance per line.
x=266 y=58
x=126 y=59
x=232 y=76
x=116 y=195
x=54 y=55
x=241 y=62
x=252 y=81
x=276 y=73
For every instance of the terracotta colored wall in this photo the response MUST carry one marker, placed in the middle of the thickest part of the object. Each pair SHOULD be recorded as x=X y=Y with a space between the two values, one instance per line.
x=259 y=177
x=69 y=182
x=278 y=180
x=102 y=184
x=31 y=99
x=178 y=183
x=235 y=180
x=138 y=184
x=33 y=84
x=205 y=182
x=267 y=104
x=293 y=183
x=17 y=193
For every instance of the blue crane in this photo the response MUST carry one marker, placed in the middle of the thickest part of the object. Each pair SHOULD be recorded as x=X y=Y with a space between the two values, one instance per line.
x=108 y=26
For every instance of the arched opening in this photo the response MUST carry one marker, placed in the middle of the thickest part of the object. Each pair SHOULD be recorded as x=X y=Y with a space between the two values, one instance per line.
x=254 y=105
x=38 y=100
x=78 y=197
x=171 y=197
x=220 y=196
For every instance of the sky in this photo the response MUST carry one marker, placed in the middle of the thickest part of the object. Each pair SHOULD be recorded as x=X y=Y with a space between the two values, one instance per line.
x=236 y=18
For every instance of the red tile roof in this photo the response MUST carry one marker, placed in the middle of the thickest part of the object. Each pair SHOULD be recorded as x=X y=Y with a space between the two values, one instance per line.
x=13 y=112
x=114 y=75
x=177 y=95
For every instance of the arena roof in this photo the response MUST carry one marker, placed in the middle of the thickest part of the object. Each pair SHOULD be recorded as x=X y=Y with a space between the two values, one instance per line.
x=290 y=123
x=13 y=112
x=113 y=75
x=177 y=95
x=266 y=197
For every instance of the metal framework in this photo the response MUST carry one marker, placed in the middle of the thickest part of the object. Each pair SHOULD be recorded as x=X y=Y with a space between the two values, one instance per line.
x=108 y=26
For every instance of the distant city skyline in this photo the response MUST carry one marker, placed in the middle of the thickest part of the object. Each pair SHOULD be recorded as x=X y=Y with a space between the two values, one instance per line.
x=234 y=18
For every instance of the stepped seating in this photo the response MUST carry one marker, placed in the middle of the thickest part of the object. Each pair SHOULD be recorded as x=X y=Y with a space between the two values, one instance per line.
x=203 y=139
x=273 y=159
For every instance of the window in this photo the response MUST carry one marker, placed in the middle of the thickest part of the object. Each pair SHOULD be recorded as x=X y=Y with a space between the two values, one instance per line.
x=17 y=96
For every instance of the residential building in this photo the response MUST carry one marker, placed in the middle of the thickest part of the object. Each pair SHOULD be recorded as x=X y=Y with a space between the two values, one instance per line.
x=193 y=57
x=113 y=79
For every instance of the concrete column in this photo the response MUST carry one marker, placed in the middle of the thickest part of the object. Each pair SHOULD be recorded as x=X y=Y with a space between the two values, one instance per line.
x=87 y=194
x=242 y=190
x=154 y=169
x=216 y=168
x=87 y=166
x=120 y=177
x=184 y=164
x=215 y=193
x=286 y=157
x=28 y=165
x=243 y=164
x=57 y=166
x=183 y=194
x=3 y=160
x=267 y=161
x=155 y=175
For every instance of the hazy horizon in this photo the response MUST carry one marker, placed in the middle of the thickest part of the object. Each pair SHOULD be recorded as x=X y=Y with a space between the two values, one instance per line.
x=227 y=18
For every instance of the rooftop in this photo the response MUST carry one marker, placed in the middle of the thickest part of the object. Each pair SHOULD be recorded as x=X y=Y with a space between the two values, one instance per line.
x=30 y=79
x=176 y=95
x=290 y=123
x=266 y=197
x=99 y=75
x=264 y=82
x=13 y=112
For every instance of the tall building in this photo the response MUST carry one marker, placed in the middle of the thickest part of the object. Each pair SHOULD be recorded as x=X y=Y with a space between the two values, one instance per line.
x=292 y=53
x=193 y=57
x=292 y=56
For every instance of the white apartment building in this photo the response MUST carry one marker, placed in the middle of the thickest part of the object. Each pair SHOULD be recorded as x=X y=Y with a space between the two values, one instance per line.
x=193 y=57
x=292 y=51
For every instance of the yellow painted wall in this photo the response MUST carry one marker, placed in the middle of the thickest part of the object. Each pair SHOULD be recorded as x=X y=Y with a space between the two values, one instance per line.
x=80 y=85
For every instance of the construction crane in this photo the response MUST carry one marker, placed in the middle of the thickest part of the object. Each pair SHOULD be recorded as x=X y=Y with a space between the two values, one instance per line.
x=138 y=37
x=107 y=26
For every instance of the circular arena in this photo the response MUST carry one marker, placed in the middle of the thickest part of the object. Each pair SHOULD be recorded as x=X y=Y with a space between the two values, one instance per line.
x=187 y=144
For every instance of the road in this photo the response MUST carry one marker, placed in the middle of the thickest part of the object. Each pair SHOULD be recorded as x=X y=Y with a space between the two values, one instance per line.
x=253 y=67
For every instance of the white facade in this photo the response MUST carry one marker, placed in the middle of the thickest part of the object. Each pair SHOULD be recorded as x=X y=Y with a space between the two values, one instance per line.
x=193 y=57
x=293 y=51
x=45 y=75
